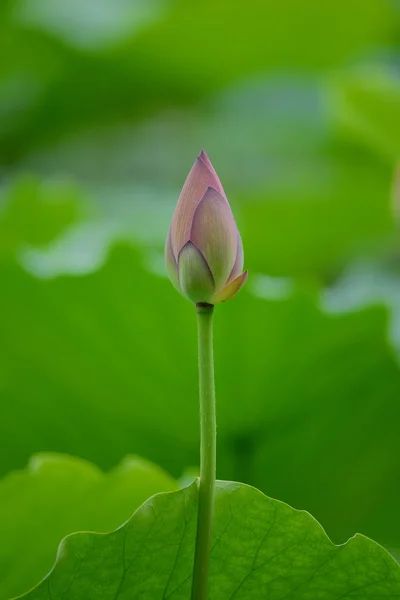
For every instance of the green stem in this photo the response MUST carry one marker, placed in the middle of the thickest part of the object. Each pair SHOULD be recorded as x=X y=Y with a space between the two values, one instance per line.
x=207 y=452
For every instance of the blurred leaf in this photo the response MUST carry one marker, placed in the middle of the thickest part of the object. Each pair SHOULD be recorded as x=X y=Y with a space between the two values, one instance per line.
x=255 y=37
x=57 y=495
x=33 y=212
x=93 y=24
x=305 y=203
x=171 y=62
x=253 y=130
x=105 y=364
x=366 y=105
x=267 y=550
x=311 y=218
x=52 y=90
x=341 y=211
x=366 y=283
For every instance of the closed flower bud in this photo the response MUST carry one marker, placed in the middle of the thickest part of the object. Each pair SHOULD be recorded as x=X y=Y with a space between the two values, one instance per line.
x=204 y=252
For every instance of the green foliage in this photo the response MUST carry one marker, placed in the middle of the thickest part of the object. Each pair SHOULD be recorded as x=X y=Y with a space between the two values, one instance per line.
x=307 y=404
x=243 y=44
x=33 y=213
x=262 y=548
x=59 y=88
x=322 y=223
x=367 y=107
x=115 y=99
x=57 y=495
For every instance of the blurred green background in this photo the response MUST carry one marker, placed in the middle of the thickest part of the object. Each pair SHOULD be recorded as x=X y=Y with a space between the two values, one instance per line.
x=103 y=109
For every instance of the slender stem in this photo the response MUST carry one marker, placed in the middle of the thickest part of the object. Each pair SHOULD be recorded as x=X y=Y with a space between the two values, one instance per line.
x=207 y=452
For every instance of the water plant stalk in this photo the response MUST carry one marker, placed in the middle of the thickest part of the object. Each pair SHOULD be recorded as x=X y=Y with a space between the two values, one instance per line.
x=207 y=450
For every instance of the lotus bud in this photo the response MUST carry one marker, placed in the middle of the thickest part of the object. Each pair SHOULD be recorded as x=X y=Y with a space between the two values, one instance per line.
x=204 y=252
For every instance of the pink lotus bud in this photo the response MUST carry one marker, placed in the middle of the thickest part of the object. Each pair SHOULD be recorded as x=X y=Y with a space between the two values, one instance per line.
x=204 y=252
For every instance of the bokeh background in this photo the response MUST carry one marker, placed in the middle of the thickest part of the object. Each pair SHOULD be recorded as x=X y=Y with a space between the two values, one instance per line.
x=104 y=107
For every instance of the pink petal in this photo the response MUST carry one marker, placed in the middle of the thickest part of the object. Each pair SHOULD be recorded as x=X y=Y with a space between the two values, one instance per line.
x=203 y=156
x=238 y=266
x=214 y=232
x=170 y=263
x=195 y=278
x=201 y=177
x=230 y=290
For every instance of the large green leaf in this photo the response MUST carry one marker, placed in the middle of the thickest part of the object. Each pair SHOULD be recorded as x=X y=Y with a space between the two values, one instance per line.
x=334 y=214
x=366 y=104
x=365 y=283
x=57 y=495
x=262 y=548
x=105 y=364
x=34 y=212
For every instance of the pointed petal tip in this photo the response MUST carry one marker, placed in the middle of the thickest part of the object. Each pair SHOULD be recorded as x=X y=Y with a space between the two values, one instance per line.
x=207 y=162
x=214 y=232
x=200 y=178
x=195 y=278
x=212 y=191
x=202 y=154
x=238 y=265
x=244 y=276
x=188 y=245
x=230 y=290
